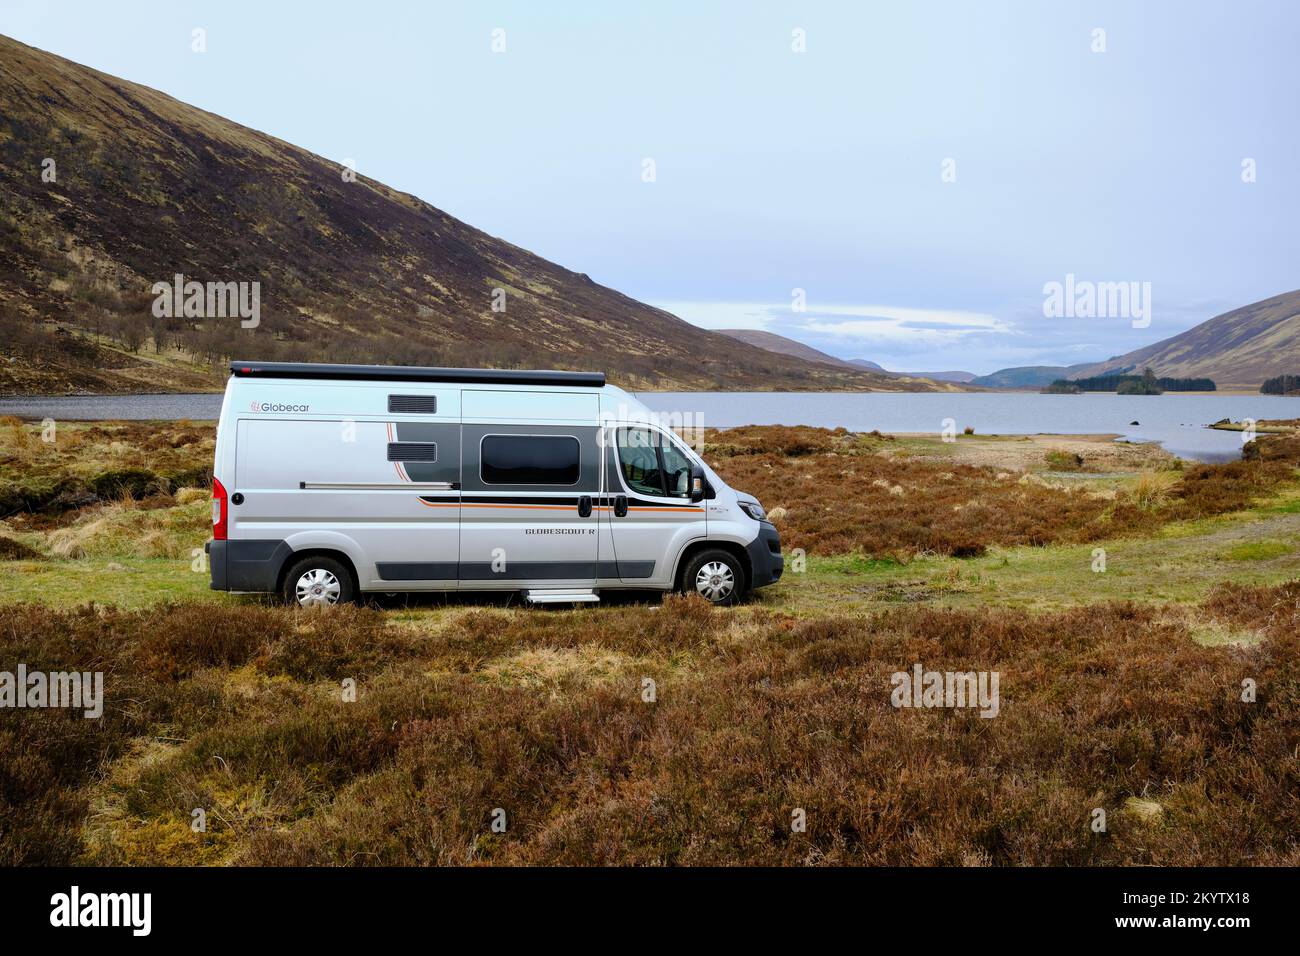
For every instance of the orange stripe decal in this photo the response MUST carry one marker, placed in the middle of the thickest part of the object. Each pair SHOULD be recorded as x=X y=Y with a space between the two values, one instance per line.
x=563 y=507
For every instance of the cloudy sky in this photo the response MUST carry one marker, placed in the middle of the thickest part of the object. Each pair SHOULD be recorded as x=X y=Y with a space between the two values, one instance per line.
x=901 y=190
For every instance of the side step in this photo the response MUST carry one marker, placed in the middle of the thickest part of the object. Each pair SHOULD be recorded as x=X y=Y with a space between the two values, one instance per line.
x=560 y=595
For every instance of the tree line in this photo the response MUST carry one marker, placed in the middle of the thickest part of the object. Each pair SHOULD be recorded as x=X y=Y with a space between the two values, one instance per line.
x=1148 y=383
x=1280 y=385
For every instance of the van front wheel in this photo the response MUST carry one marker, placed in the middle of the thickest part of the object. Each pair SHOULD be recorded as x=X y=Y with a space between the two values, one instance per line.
x=317 y=582
x=716 y=576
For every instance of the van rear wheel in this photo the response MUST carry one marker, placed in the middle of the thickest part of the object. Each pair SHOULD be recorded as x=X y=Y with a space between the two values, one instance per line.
x=716 y=576
x=317 y=582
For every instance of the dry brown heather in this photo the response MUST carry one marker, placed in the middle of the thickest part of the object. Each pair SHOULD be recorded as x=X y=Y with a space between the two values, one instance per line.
x=837 y=491
x=847 y=492
x=88 y=464
x=237 y=710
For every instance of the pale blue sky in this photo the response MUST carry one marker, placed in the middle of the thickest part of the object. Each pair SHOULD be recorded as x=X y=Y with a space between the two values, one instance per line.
x=779 y=170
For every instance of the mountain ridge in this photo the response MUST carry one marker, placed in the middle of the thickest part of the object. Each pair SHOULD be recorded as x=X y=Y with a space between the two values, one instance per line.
x=145 y=187
x=1239 y=348
x=1026 y=376
x=784 y=345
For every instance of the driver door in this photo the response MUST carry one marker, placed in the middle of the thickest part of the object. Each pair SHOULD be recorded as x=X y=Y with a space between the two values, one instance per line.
x=652 y=515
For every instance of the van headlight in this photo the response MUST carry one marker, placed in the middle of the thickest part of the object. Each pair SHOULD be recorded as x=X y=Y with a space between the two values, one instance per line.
x=753 y=509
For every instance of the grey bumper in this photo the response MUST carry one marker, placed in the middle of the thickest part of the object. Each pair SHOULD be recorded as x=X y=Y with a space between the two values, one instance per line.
x=765 y=556
x=246 y=565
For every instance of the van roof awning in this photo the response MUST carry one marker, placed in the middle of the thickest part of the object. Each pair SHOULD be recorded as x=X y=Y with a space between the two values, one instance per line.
x=417 y=373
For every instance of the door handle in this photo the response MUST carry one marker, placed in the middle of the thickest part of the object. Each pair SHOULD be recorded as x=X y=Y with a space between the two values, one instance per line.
x=584 y=506
x=620 y=506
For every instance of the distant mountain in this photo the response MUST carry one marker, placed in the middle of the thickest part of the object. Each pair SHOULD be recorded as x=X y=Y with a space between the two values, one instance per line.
x=782 y=345
x=110 y=188
x=962 y=378
x=1027 y=376
x=1238 y=349
x=886 y=380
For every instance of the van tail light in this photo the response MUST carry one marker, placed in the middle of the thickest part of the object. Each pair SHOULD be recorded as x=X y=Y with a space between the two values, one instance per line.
x=220 y=511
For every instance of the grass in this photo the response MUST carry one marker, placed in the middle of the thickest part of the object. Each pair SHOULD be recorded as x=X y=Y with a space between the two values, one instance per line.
x=1120 y=688
x=1258 y=551
x=1181 y=564
x=127 y=583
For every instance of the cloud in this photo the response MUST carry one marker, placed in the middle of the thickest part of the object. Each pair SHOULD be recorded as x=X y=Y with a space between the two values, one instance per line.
x=892 y=325
x=867 y=324
x=725 y=315
x=913 y=338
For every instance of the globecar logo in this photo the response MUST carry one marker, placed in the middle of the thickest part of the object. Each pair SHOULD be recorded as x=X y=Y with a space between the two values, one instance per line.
x=276 y=407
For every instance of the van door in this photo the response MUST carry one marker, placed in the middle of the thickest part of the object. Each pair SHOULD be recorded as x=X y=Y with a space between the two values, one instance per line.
x=528 y=505
x=651 y=513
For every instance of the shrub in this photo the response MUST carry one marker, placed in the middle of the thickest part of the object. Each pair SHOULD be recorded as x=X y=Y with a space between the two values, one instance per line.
x=1058 y=460
x=11 y=550
x=135 y=482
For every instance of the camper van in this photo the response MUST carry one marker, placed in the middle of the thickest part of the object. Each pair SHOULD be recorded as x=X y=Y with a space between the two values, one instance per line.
x=335 y=480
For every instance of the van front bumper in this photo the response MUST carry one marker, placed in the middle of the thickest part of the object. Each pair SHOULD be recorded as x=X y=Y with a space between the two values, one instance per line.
x=765 y=555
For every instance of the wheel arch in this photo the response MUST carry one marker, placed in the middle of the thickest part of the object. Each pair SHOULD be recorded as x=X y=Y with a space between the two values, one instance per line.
x=711 y=544
x=317 y=552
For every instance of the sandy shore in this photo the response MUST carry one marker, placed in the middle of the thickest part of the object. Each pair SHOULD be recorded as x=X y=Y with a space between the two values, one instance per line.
x=1024 y=452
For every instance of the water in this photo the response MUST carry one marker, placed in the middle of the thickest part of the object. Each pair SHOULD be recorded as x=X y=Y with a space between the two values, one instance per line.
x=78 y=408
x=1175 y=421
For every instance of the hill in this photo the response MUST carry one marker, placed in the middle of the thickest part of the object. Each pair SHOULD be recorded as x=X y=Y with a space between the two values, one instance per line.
x=111 y=187
x=961 y=378
x=1238 y=349
x=1026 y=376
x=895 y=381
x=782 y=345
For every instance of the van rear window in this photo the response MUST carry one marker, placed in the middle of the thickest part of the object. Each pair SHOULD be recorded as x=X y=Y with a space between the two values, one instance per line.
x=529 y=460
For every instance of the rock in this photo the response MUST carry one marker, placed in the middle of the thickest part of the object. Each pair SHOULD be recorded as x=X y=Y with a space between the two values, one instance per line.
x=1135 y=423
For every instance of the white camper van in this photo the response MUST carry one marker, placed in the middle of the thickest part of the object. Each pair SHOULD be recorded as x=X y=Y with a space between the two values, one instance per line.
x=331 y=480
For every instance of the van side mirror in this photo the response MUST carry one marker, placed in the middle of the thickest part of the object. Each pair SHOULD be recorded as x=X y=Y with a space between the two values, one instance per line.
x=697 y=483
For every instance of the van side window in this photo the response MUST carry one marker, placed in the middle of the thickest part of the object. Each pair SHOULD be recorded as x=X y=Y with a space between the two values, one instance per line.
x=652 y=466
x=530 y=460
x=638 y=458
